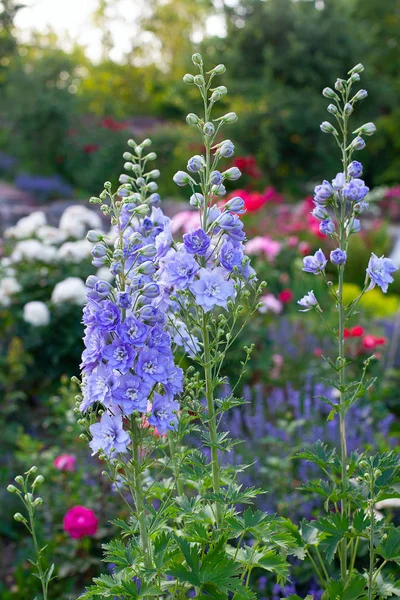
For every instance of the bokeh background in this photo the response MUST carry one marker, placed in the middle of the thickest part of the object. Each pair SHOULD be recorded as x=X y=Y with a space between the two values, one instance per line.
x=77 y=80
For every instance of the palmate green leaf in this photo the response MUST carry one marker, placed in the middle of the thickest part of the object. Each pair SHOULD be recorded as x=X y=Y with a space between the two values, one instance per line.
x=164 y=550
x=352 y=590
x=274 y=563
x=298 y=546
x=319 y=454
x=109 y=586
x=334 y=528
x=389 y=548
x=235 y=494
x=361 y=520
x=309 y=533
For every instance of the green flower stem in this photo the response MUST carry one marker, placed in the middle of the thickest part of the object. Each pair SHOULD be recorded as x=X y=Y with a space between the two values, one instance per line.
x=212 y=421
x=137 y=489
x=41 y=571
x=371 y=539
x=175 y=468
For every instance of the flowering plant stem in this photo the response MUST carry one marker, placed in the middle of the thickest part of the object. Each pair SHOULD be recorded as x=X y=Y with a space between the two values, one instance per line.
x=138 y=496
x=212 y=421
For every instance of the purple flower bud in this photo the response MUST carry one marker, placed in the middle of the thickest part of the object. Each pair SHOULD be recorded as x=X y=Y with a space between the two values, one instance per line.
x=124 y=300
x=327 y=227
x=226 y=149
x=196 y=242
x=116 y=268
x=91 y=281
x=338 y=256
x=197 y=200
x=98 y=251
x=94 y=236
x=103 y=288
x=236 y=205
x=319 y=212
x=339 y=181
x=146 y=268
x=208 y=129
x=323 y=192
x=181 y=178
x=358 y=143
x=195 y=164
x=355 y=169
x=151 y=290
x=360 y=207
x=154 y=199
x=216 y=178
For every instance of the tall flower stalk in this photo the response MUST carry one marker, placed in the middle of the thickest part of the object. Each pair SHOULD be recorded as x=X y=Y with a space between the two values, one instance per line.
x=338 y=205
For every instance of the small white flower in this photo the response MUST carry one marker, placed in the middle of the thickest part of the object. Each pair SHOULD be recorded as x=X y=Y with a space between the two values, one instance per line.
x=32 y=251
x=27 y=226
x=36 y=313
x=71 y=291
x=75 y=252
x=9 y=286
x=77 y=220
x=50 y=235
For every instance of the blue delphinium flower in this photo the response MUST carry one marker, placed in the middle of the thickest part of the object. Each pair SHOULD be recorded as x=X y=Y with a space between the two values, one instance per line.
x=338 y=256
x=315 y=264
x=327 y=227
x=379 y=271
x=355 y=190
x=179 y=268
x=109 y=435
x=196 y=242
x=164 y=414
x=323 y=192
x=355 y=169
x=212 y=289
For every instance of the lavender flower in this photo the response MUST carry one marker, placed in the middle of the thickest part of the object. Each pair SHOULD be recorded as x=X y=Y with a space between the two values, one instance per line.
x=355 y=190
x=109 y=436
x=315 y=264
x=212 y=289
x=338 y=256
x=355 y=169
x=196 y=242
x=164 y=414
x=323 y=192
x=309 y=301
x=327 y=227
x=379 y=271
x=179 y=268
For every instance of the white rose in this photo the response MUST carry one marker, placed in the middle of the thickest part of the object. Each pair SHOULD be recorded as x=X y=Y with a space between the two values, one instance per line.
x=8 y=287
x=33 y=250
x=27 y=226
x=75 y=252
x=36 y=313
x=77 y=220
x=50 y=235
x=72 y=290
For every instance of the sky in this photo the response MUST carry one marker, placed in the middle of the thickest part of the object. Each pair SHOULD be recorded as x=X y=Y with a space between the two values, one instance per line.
x=72 y=20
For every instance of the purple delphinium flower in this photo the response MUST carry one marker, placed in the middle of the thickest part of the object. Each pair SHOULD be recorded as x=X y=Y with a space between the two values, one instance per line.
x=231 y=224
x=132 y=331
x=109 y=435
x=355 y=190
x=99 y=386
x=107 y=315
x=355 y=169
x=178 y=268
x=132 y=394
x=231 y=256
x=327 y=227
x=315 y=264
x=151 y=365
x=338 y=182
x=163 y=414
x=196 y=242
x=124 y=299
x=308 y=301
x=94 y=341
x=320 y=212
x=338 y=256
x=379 y=271
x=119 y=355
x=212 y=289
x=323 y=192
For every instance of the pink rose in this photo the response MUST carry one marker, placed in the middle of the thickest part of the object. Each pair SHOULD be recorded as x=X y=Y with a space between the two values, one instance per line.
x=80 y=521
x=65 y=462
x=259 y=245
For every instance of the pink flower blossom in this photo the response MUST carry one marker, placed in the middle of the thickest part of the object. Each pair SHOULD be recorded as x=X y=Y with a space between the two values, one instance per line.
x=80 y=522
x=266 y=245
x=270 y=304
x=65 y=462
x=185 y=221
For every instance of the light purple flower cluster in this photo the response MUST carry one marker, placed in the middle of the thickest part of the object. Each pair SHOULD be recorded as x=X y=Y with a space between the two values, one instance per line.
x=128 y=364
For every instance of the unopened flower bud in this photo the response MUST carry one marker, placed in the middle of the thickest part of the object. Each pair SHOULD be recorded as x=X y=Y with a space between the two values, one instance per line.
x=151 y=156
x=94 y=236
x=199 y=80
x=218 y=70
x=327 y=127
x=141 y=210
x=151 y=290
x=226 y=149
x=188 y=78
x=216 y=177
x=359 y=68
x=12 y=489
x=197 y=200
x=208 y=129
x=358 y=143
x=230 y=117
x=355 y=77
x=329 y=93
x=146 y=268
x=125 y=178
x=39 y=480
x=146 y=143
x=149 y=250
x=332 y=109
x=348 y=109
x=232 y=174
x=132 y=143
x=154 y=199
x=128 y=167
x=235 y=205
x=366 y=129
x=38 y=501
x=218 y=93
x=195 y=164
x=218 y=190
x=361 y=94
x=181 y=178
x=19 y=518
x=135 y=238
x=197 y=59
x=152 y=186
x=140 y=182
x=99 y=251
x=340 y=85
x=19 y=479
x=127 y=156
x=154 y=174
x=192 y=119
